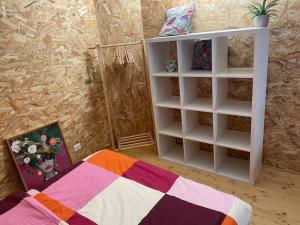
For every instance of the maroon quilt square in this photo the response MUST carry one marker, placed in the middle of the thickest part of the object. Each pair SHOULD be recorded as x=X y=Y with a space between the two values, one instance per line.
x=174 y=211
x=151 y=176
x=77 y=219
x=11 y=201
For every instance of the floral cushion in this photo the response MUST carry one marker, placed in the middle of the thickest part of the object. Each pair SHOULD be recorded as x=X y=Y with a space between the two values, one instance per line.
x=202 y=55
x=178 y=20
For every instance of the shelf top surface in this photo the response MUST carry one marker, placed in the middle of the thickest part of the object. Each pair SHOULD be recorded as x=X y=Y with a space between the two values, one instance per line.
x=212 y=34
x=235 y=139
x=171 y=102
x=239 y=73
x=236 y=73
x=166 y=74
x=234 y=107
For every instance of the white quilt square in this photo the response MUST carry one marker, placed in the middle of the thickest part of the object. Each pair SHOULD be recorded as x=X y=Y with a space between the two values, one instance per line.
x=123 y=202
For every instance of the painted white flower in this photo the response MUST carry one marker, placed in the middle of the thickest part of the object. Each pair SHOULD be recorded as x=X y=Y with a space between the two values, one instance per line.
x=27 y=160
x=16 y=143
x=38 y=156
x=15 y=148
x=32 y=149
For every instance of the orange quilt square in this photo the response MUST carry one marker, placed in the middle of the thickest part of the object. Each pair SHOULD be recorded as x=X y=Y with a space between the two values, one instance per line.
x=60 y=210
x=229 y=221
x=112 y=161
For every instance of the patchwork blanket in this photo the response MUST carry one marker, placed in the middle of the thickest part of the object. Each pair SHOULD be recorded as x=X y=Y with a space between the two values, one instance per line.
x=109 y=188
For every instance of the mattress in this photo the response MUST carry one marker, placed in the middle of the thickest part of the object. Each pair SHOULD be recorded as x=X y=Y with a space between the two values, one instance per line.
x=109 y=188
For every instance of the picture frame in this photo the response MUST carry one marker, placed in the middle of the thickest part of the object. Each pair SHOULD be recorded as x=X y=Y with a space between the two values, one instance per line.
x=39 y=154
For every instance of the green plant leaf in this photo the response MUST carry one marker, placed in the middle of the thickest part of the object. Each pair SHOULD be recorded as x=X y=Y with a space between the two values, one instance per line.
x=272 y=4
x=272 y=11
x=264 y=8
x=264 y=4
x=253 y=10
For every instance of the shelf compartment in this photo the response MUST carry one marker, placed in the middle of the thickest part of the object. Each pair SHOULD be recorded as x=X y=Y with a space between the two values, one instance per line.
x=233 y=96
x=159 y=55
x=197 y=94
x=169 y=122
x=235 y=139
x=236 y=73
x=186 y=51
x=173 y=129
x=198 y=126
x=234 y=107
x=240 y=62
x=232 y=166
x=199 y=155
x=201 y=133
x=171 y=148
x=166 y=91
x=233 y=132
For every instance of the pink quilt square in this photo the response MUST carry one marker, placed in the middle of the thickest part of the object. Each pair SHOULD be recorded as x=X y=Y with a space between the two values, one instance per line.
x=28 y=212
x=80 y=185
x=201 y=195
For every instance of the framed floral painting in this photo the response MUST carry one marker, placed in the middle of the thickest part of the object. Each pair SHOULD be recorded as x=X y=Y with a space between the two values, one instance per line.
x=40 y=154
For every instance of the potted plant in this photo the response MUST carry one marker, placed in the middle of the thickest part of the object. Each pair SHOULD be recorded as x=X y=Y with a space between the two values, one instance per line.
x=262 y=12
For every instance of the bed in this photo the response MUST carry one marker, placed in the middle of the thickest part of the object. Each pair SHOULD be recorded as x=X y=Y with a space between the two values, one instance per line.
x=109 y=188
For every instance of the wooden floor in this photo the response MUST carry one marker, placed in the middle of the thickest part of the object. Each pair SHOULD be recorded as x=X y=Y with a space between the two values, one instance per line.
x=275 y=197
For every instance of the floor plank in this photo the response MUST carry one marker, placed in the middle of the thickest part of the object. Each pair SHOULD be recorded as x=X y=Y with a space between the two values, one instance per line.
x=275 y=197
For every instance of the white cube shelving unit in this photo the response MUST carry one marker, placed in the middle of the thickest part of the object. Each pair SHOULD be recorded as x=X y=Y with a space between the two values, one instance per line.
x=188 y=151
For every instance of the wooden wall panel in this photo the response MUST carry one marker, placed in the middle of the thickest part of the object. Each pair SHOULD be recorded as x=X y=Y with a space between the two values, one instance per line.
x=121 y=22
x=127 y=93
x=48 y=73
x=282 y=124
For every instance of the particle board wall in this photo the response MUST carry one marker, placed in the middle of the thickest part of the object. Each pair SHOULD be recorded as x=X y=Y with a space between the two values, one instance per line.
x=121 y=22
x=282 y=124
x=48 y=73
x=128 y=93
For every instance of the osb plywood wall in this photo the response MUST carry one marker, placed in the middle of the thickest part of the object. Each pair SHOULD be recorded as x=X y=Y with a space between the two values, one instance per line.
x=48 y=73
x=121 y=22
x=282 y=125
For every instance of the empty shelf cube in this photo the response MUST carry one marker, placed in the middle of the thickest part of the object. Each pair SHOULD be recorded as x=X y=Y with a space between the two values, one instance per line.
x=230 y=136
x=171 y=148
x=232 y=165
x=228 y=67
x=233 y=96
x=197 y=94
x=199 y=155
x=167 y=92
x=169 y=122
x=198 y=126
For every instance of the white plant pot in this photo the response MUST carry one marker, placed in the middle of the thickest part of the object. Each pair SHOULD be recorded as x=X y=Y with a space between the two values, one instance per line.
x=262 y=21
